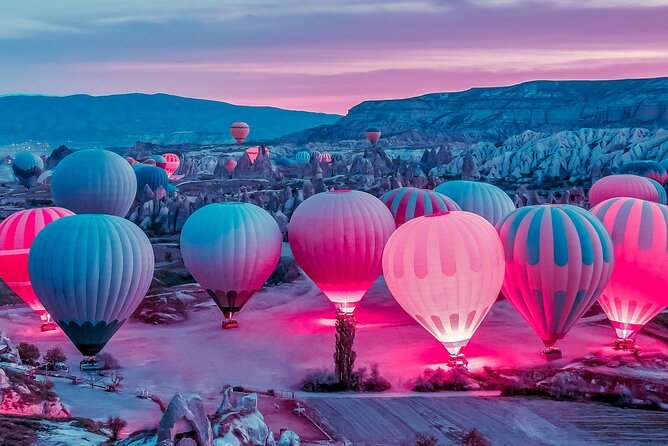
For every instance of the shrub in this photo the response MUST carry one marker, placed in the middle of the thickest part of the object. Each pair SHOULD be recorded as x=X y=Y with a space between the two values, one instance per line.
x=107 y=361
x=425 y=439
x=375 y=382
x=322 y=381
x=55 y=355
x=29 y=353
x=115 y=426
x=473 y=437
x=434 y=380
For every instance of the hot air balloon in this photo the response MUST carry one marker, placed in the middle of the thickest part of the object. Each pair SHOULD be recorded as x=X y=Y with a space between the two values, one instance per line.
x=407 y=203
x=150 y=162
x=649 y=169
x=483 y=199
x=239 y=131
x=373 y=134
x=632 y=186
x=636 y=291
x=558 y=260
x=445 y=270
x=131 y=160
x=153 y=177
x=337 y=238
x=94 y=182
x=27 y=167
x=45 y=177
x=91 y=272
x=173 y=163
x=231 y=249
x=315 y=155
x=303 y=157
x=160 y=161
x=325 y=158
x=230 y=164
x=17 y=233
x=253 y=152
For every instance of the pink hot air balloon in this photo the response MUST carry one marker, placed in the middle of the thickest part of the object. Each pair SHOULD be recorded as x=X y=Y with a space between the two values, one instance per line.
x=337 y=238
x=446 y=271
x=131 y=160
x=239 y=131
x=558 y=260
x=372 y=134
x=230 y=164
x=173 y=163
x=407 y=203
x=637 y=289
x=17 y=233
x=632 y=186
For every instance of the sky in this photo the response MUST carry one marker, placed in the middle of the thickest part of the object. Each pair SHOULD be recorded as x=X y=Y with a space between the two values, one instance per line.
x=321 y=55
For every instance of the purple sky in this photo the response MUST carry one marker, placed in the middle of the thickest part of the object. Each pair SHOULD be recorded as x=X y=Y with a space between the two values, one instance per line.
x=322 y=55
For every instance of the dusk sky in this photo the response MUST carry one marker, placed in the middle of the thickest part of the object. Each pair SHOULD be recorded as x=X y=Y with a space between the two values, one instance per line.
x=322 y=55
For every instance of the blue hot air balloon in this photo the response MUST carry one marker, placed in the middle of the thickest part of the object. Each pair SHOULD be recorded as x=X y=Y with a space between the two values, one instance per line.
x=231 y=249
x=90 y=272
x=151 y=176
x=483 y=199
x=303 y=157
x=559 y=258
x=94 y=182
x=27 y=167
x=649 y=169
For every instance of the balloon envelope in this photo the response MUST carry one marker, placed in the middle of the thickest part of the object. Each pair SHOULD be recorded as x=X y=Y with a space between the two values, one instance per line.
x=91 y=272
x=153 y=177
x=649 y=169
x=303 y=157
x=94 y=182
x=160 y=161
x=337 y=238
x=239 y=131
x=637 y=289
x=483 y=199
x=230 y=164
x=231 y=249
x=407 y=203
x=558 y=260
x=632 y=186
x=372 y=134
x=445 y=270
x=173 y=163
x=17 y=233
x=27 y=167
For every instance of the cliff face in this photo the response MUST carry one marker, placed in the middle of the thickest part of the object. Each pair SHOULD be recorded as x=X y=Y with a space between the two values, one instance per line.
x=497 y=113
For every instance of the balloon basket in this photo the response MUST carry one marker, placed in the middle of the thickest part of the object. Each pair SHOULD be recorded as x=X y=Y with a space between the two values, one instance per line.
x=458 y=359
x=229 y=324
x=628 y=344
x=346 y=308
x=89 y=364
x=48 y=326
x=551 y=353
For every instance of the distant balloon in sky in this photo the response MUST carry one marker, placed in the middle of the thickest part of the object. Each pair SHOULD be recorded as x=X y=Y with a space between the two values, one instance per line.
x=239 y=131
x=230 y=164
x=637 y=289
x=173 y=163
x=303 y=157
x=94 y=181
x=558 y=260
x=649 y=169
x=337 y=238
x=27 y=167
x=407 y=203
x=372 y=134
x=231 y=249
x=17 y=233
x=91 y=272
x=153 y=177
x=483 y=199
x=160 y=161
x=632 y=186
x=445 y=270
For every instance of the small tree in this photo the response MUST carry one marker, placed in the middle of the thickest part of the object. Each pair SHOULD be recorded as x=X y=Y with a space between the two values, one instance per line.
x=55 y=355
x=29 y=353
x=425 y=439
x=473 y=437
x=344 y=355
x=116 y=380
x=107 y=361
x=115 y=426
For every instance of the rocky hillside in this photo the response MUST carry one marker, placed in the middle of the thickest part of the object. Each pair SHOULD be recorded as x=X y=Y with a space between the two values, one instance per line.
x=494 y=114
x=120 y=120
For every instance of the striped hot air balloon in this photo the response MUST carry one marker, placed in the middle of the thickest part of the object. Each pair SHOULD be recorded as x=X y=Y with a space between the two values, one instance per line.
x=27 y=167
x=372 y=134
x=649 y=169
x=173 y=163
x=483 y=199
x=239 y=131
x=632 y=186
x=637 y=289
x=445 y=270
x=303 y=157
x=94 y=182
x=406 y=203
x=151 y=177
x=91 y=272
x=325 y=158
x=17 y=233
x=160 y=161
x=558 y=260
x=231 y=249
x=337 y=238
